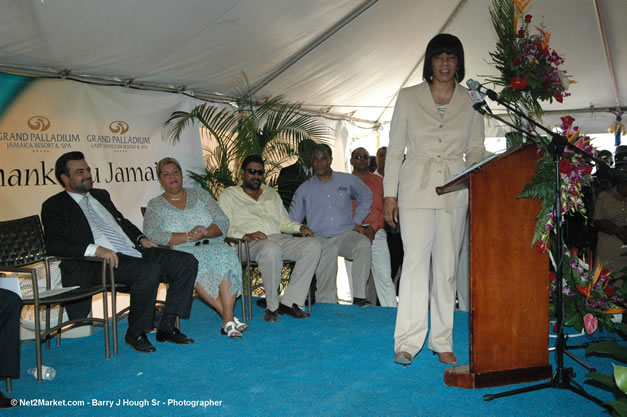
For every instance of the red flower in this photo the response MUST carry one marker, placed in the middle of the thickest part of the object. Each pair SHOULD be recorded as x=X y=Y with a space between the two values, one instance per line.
x=587 y=169
x=516 y=61
x=609 y=291
x=552 y=276
x=567 y=121
x=542 y=48
x=573 y=251
x=521 y=33
x=555 y=328
x=565 y=166
x=541 y=247
x=559 y=98
x=518 y=83
x=528 y=18
x=605 y=272
x=583 y=290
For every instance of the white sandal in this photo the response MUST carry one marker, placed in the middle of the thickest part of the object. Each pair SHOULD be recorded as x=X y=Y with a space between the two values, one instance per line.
x=241 y=327
x=232 y=330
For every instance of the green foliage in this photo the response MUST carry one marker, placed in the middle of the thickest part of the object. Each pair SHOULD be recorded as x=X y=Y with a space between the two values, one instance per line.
x=542 y=188
x=272 y=129
x=617 y=382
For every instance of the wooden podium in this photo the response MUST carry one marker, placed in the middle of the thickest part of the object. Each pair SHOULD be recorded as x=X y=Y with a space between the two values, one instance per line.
x=509 y=279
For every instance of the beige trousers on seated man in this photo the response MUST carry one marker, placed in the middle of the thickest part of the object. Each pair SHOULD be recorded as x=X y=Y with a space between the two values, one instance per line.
x=270 y=254
x=350 y=245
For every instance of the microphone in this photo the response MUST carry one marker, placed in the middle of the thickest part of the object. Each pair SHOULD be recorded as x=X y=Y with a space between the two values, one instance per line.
x=476 y=86
x=477 y=97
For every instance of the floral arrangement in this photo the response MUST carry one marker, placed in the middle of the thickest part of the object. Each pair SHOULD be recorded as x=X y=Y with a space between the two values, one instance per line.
x=588 y=301
x=530 y=72
x=529 y=68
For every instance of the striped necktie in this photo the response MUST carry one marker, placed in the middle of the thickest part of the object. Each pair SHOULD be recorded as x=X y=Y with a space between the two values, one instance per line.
x=116 y=239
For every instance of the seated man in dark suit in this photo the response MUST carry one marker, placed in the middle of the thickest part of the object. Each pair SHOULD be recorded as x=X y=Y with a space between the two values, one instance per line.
x=10 y=308
x=82 y=221
x=292 y=176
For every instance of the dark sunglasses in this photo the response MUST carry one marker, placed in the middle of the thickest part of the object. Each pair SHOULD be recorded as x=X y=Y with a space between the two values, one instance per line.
x=253 y=171
x=359 y=156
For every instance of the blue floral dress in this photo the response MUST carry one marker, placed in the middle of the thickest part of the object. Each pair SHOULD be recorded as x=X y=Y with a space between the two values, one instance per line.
x=216 y=260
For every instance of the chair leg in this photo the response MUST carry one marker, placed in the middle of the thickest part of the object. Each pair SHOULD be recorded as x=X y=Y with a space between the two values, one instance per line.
x=309 y=299
x=9 y=385
x=59 y=321
x=114 y=320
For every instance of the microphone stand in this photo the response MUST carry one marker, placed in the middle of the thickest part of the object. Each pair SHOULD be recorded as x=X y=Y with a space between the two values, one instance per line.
x=562 y=377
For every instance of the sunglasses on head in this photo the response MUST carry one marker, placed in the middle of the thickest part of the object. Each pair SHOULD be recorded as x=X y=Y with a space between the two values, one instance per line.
x=253 y=171
x=360 y=156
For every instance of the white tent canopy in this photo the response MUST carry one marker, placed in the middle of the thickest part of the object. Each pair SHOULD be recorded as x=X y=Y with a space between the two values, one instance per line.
x=340 y=57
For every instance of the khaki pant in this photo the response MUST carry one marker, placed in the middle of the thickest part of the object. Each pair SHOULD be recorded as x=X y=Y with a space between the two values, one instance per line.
x=269 y=255
x=431 y=237
x=350 y=245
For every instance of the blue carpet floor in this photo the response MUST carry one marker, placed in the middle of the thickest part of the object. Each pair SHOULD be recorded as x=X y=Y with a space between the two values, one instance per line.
x=339 y=362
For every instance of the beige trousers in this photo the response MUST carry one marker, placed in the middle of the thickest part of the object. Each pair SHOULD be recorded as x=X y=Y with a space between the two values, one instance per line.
x=269 y=255
x=431 y=237
x=350 y=245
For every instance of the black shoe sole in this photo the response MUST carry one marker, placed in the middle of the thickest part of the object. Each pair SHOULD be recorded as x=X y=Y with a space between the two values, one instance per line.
x=141 y=351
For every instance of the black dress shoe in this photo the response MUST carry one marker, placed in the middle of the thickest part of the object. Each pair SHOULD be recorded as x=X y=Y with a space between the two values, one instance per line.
x=293 y=311
x=271 y=316
x=7 y=402
x=140 y=343
x=174 y=336
x=261 y=302
x=361 y=302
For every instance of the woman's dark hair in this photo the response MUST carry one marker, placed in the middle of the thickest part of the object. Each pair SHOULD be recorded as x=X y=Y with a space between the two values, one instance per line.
x=444 y=43
x=252 y=158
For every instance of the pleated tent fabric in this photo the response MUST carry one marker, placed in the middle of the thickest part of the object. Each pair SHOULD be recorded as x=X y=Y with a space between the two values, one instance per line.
x=340 y=57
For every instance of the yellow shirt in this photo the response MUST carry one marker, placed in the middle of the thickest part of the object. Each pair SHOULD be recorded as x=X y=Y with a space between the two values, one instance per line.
x=247 y=215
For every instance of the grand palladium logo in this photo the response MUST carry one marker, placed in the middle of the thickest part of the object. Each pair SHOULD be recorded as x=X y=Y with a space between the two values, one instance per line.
x=118 y=127
x=39 y=123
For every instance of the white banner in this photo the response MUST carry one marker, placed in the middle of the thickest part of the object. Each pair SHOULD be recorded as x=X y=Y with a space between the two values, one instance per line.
x=118 y=130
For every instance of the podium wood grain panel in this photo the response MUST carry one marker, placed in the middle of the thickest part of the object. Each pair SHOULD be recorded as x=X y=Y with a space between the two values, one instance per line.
x=509 y=316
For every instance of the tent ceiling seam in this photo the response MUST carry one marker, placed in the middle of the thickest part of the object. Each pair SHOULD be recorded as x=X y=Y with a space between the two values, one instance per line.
x=608 y=52
x=313 y=45
x=446 y=24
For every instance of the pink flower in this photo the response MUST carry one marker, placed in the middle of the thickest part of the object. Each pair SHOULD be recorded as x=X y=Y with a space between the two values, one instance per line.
x=590 y=323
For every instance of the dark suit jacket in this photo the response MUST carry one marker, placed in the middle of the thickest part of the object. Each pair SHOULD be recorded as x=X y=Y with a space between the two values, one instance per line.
x=67 y=233
x=290 y=178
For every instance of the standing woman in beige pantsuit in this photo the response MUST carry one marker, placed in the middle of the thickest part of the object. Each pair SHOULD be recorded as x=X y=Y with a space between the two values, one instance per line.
x=435 y=134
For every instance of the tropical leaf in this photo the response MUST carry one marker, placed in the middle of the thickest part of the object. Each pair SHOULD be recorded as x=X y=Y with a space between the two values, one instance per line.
x=620 y=377
x=605 y=379
x=613 y=349
x=619 y=406
x=272 y=129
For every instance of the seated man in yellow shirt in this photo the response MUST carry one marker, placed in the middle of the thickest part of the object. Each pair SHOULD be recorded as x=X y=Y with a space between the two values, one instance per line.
x=257 y=214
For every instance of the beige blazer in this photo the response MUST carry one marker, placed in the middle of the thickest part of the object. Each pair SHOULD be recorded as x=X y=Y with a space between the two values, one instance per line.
x=434 y=147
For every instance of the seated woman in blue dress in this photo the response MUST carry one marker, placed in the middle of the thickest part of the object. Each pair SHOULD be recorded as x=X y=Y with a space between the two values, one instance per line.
x=190 y=220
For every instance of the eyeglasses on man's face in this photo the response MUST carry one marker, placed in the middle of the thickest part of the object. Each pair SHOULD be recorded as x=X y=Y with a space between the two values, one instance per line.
x=253 y=171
